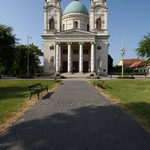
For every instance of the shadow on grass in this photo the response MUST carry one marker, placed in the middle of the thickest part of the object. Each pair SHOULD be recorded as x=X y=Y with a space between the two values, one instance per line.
x=141 y=109
x=103 y=87
x=13 y=92
x=75 y=128
x=108 y=87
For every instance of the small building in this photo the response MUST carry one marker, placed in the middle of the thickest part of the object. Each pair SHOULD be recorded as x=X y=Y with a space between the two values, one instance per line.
x=128 y=62
x=75 y=40
x=138 y=65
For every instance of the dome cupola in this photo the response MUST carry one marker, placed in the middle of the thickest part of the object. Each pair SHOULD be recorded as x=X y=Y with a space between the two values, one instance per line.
x=75 y=7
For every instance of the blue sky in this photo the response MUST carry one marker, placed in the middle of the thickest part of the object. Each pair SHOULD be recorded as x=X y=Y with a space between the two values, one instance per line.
x=127 y=18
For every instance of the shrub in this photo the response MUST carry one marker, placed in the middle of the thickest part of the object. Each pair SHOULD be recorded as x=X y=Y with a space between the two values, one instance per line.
x=57 y=74
x=92 y=74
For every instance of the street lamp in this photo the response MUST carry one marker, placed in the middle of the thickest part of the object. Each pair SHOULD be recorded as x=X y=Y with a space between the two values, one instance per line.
x=28 y=37
x=122 y=54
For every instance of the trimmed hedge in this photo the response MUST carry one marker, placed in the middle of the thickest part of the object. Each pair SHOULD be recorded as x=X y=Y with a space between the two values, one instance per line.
x=118 y=73
x=125 y=77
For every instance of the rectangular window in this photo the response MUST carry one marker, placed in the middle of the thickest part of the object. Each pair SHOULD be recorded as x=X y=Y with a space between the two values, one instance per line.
x=65 y=51
x=51 y=47
x=85 y=51
x=99 y=47
x=75 y=52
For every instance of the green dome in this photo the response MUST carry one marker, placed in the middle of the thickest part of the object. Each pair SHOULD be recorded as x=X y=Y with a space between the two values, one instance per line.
x=76 y=7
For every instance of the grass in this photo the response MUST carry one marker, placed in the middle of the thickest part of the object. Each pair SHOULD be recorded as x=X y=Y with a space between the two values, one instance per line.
x=133 y=96
x=14 y=95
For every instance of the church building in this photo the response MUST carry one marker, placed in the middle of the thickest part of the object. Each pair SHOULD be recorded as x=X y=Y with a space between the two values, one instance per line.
x=75 y=40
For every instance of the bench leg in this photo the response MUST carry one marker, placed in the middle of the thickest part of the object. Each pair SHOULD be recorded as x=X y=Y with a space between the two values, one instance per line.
x=38 y=96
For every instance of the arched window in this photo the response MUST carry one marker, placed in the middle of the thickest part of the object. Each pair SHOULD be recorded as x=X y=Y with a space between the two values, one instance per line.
x=76 y=25
x=98 y=24
x=51 y=24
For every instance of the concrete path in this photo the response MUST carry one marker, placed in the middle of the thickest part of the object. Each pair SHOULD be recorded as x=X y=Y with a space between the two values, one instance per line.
x=75 y=117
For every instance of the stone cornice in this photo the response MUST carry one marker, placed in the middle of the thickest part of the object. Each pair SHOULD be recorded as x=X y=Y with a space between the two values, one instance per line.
x=81 y=15
x=77 y=31
x=99 y=5
x=45 y=7
x=102 y=36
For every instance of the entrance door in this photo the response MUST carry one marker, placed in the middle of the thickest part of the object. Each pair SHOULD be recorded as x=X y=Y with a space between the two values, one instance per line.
x=65 y=66
x=75 y=66
x=85 y=66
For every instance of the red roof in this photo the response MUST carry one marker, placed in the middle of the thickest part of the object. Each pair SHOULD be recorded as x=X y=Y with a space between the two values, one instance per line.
x=138 y=64
x=129 y=62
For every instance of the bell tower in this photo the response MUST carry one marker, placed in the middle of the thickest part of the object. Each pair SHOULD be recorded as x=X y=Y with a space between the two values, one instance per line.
x=98 y=16
x=52 y=16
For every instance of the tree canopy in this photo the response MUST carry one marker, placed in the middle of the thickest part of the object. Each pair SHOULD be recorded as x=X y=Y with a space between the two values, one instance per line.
x=7 y=46
x=21 y=58
x=144 y=47
x=13 y=57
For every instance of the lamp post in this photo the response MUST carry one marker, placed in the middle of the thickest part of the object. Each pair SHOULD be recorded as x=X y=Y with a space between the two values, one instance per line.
x=28 y=37
x=122 y=54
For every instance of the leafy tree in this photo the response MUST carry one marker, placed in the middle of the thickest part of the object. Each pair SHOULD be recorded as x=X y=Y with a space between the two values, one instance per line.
x=21 y=58
x=144 y=47
x=128 y=70
x=117 y=69
x=7 y=47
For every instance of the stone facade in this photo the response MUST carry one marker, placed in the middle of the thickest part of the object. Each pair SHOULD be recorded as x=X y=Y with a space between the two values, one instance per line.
x=76 y=41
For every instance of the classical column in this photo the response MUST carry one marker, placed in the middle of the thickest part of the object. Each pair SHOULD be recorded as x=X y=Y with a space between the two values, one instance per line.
x=69 y=58
x=92 y=57
x=81 y=57
x=60 y=58
x=57 y=58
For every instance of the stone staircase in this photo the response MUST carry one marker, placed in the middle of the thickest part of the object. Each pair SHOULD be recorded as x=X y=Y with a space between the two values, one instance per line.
x=75 y=75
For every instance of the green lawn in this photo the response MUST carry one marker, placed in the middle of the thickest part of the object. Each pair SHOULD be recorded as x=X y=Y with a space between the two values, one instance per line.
x=14 y=94
x=131 y=95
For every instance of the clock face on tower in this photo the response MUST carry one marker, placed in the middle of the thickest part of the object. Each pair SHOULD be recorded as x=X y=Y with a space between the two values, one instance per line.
x=51 y=12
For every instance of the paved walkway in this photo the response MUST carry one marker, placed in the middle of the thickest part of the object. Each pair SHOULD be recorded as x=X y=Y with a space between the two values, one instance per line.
x=75 y=117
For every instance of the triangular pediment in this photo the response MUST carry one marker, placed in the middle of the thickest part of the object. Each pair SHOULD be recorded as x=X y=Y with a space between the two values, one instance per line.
x=75 y=32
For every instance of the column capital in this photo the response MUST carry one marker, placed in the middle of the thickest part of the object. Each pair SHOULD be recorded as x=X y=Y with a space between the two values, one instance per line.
x=81 y=43
x=57 y=43
x=69 y=43
x=93 y=43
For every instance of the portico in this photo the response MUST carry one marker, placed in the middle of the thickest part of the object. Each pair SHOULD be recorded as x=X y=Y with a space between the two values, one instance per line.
x=75 y=57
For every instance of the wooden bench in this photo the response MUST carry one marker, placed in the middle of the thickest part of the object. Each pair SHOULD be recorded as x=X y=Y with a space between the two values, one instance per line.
x=99 y=83
x=57 y=80
x=37 y=89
